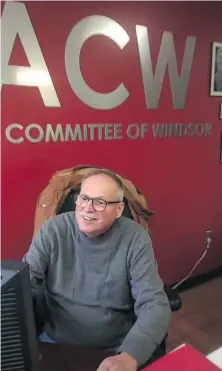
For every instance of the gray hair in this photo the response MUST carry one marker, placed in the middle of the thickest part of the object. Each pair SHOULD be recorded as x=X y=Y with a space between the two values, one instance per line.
x=111 y=175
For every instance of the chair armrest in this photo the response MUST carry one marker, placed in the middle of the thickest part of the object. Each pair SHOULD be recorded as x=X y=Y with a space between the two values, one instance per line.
x=174 y=298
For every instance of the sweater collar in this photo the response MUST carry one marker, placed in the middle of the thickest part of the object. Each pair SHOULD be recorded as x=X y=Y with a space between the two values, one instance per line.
x=99 y=237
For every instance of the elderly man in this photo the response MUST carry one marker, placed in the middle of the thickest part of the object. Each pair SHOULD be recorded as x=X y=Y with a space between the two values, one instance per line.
x=102 y=282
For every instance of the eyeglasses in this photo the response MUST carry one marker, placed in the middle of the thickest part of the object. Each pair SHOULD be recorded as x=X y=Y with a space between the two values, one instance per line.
x=97 y=203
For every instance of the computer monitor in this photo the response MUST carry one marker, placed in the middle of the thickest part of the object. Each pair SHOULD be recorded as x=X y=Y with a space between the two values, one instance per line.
x=19 y=351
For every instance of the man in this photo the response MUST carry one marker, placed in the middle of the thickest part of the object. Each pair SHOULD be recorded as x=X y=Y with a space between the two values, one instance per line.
x=102 y=283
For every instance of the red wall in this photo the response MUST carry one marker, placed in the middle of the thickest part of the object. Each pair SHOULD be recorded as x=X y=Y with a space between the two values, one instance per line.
x=181 y=177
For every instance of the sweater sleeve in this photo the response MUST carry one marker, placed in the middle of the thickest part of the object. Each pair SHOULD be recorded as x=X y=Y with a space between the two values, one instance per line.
x=38 y=257
x=151 y=306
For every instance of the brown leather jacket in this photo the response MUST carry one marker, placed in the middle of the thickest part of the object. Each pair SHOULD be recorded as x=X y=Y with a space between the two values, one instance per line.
x=62 y=182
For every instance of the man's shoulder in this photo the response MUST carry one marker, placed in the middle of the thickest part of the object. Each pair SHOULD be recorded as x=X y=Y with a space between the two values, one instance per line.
x=133 y=228
x=60 y=221
x=134 y=237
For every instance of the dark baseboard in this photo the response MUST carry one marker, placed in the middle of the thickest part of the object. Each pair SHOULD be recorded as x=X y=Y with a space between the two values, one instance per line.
x=198 y=280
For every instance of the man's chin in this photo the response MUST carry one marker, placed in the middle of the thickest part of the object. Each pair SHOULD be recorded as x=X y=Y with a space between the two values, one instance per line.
x=88 y=231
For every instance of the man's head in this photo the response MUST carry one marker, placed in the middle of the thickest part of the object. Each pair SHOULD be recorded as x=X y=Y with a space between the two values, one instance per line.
x=99 y=203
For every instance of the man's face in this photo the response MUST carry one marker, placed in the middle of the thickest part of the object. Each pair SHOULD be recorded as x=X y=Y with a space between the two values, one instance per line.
x=101 y=187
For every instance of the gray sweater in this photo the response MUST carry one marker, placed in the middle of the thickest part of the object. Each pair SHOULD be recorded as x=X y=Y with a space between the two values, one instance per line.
x=103 y=292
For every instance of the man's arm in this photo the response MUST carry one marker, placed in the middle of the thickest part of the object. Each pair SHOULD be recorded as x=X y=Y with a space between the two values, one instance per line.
x=152 y=307
x=38 y=257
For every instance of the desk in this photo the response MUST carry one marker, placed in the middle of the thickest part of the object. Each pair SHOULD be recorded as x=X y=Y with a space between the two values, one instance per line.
x=59 y=357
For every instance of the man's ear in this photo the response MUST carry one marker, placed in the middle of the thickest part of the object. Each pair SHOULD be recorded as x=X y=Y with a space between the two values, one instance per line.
x=120 y=209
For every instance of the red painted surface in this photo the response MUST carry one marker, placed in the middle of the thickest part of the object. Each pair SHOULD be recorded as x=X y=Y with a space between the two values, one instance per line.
x=185 y=358
x=181 y=177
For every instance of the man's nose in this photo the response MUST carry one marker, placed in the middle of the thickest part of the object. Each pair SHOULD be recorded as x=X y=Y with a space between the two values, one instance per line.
x=89 y=206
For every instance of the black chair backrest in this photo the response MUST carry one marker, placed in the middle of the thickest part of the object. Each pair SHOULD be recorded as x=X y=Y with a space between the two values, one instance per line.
x=69 y=205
